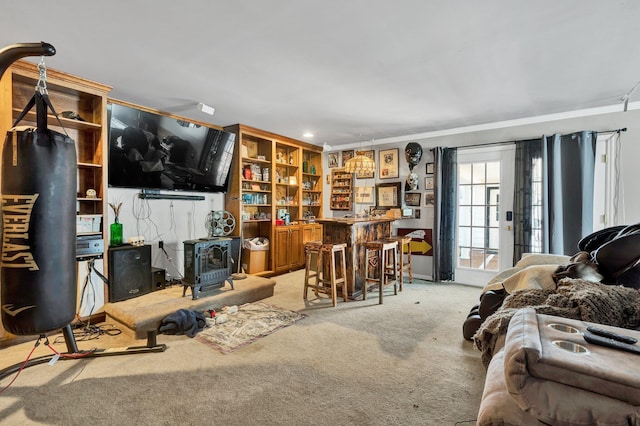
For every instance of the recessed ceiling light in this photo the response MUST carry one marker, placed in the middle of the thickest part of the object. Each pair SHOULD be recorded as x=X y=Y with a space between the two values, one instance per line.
x=307 y=135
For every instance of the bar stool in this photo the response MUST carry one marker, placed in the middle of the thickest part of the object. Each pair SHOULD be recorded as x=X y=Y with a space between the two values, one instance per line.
x=313 y=264
x=323 y=284
x=385 y=253
x=404 y=243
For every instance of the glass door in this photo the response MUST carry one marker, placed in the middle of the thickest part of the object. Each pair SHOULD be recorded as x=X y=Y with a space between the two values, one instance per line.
x=485 y=198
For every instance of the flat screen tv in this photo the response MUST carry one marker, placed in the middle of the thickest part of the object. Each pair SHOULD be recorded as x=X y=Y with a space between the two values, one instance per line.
x=152 y=151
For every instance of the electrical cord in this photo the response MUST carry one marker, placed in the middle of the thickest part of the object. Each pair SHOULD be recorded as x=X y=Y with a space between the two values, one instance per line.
x=172 y=220
x=77 y=355
x=22 y=366
x=193 y=218
x=151 y=346
x=89 y=331
x=170 y=260
x=28 y=362
x=85 y=331
x=142 y=212
x=88 y=284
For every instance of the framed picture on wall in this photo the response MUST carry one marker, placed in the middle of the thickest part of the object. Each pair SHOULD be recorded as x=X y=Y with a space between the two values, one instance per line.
x=430 y=168
x=428 y=182
x=388 y=194
x=429 y=199
x=333 y=159
x=369 y=175
x=346 y=156
x=412 y=199
x=364 y=194
x=388 y=163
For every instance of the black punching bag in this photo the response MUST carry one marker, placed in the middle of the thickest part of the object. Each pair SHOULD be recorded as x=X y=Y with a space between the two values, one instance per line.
x=39 y=181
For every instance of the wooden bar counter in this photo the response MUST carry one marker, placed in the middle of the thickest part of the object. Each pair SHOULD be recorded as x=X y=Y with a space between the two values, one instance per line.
x=354 y=231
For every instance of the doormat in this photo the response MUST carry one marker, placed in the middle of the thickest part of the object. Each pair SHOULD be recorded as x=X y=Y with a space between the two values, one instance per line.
x=251 y=322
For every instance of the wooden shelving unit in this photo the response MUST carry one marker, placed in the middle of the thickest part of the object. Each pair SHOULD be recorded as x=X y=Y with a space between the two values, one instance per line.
x=341 y=190
x=273 y=180
x=67 y=93
x=311 y=184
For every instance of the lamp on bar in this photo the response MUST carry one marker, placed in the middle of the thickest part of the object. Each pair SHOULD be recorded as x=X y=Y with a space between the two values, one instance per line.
x=360 y=164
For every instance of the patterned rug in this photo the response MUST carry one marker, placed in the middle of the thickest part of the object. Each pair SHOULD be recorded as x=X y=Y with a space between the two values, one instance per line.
x=251 y=322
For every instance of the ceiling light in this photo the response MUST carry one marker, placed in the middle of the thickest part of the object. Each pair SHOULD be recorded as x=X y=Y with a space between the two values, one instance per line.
x=360 y=164
x=206 y=108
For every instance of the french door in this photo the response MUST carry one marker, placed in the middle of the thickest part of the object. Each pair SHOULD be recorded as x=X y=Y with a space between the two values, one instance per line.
x=484 y=213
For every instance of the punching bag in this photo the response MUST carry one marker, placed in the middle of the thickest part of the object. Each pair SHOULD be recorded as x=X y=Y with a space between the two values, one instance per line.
x=39 y=181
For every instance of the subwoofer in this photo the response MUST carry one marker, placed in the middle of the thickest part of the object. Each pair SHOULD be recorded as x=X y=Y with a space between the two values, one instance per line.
x=129 y=272
x=159 y=278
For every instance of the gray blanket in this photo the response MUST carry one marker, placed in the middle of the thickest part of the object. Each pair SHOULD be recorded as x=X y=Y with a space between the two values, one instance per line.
x=573 y=298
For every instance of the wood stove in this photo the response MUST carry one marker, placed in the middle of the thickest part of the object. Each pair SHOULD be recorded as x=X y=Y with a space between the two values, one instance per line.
x=207 y=264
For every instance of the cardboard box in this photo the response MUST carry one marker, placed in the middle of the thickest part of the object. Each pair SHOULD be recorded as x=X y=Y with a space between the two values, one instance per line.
x=255 y=261
x=394 y=213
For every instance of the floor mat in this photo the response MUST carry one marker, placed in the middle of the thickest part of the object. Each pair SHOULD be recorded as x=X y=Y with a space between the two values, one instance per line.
x=251 y=322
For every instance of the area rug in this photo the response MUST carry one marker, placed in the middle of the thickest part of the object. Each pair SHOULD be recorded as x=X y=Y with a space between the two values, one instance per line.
x=251 y=322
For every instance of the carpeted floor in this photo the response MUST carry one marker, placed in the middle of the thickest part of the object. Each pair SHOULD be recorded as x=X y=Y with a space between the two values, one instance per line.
x=404 y=362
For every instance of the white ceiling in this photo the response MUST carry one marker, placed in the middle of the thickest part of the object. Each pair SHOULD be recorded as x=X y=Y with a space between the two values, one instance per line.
x=350 y=70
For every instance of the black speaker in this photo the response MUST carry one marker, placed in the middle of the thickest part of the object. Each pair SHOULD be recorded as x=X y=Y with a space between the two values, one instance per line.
x=129 y=272
x=159 y=278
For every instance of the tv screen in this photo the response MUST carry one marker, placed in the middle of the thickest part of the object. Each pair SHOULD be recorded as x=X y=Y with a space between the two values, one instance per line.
x=154 y=151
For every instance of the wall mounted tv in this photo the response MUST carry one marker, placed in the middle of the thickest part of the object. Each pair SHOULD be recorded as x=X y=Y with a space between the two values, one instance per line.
x=148 y=150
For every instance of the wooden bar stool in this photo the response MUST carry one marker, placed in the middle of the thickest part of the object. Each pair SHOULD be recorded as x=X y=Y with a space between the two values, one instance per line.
x=313 y=264
x=404 y=246
x=328 y=285
x=382 y=265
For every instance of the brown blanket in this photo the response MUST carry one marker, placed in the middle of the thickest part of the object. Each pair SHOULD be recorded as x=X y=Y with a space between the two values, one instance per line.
x=573 y=298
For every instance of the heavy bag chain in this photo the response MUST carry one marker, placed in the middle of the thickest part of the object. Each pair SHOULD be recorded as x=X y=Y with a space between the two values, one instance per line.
x=41 y=85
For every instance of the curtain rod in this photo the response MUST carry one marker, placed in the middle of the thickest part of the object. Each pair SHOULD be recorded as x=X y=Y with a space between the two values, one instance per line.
x=623 y=129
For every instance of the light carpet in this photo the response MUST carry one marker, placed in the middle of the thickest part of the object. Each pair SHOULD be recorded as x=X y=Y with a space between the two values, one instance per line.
x=404 y=362
x=251 y=322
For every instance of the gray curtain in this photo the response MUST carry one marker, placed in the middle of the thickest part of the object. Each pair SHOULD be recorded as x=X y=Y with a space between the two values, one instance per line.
x=446 y=198
x=526 y=153
x=568 y=165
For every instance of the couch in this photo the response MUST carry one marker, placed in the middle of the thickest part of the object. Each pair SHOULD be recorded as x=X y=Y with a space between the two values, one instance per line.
x=532 y=271
x=532 y=380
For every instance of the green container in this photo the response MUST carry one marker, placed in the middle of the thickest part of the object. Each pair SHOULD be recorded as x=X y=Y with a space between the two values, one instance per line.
x=115 y=231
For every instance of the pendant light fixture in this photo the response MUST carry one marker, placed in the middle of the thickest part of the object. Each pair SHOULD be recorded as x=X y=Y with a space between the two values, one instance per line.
x=360 y=164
